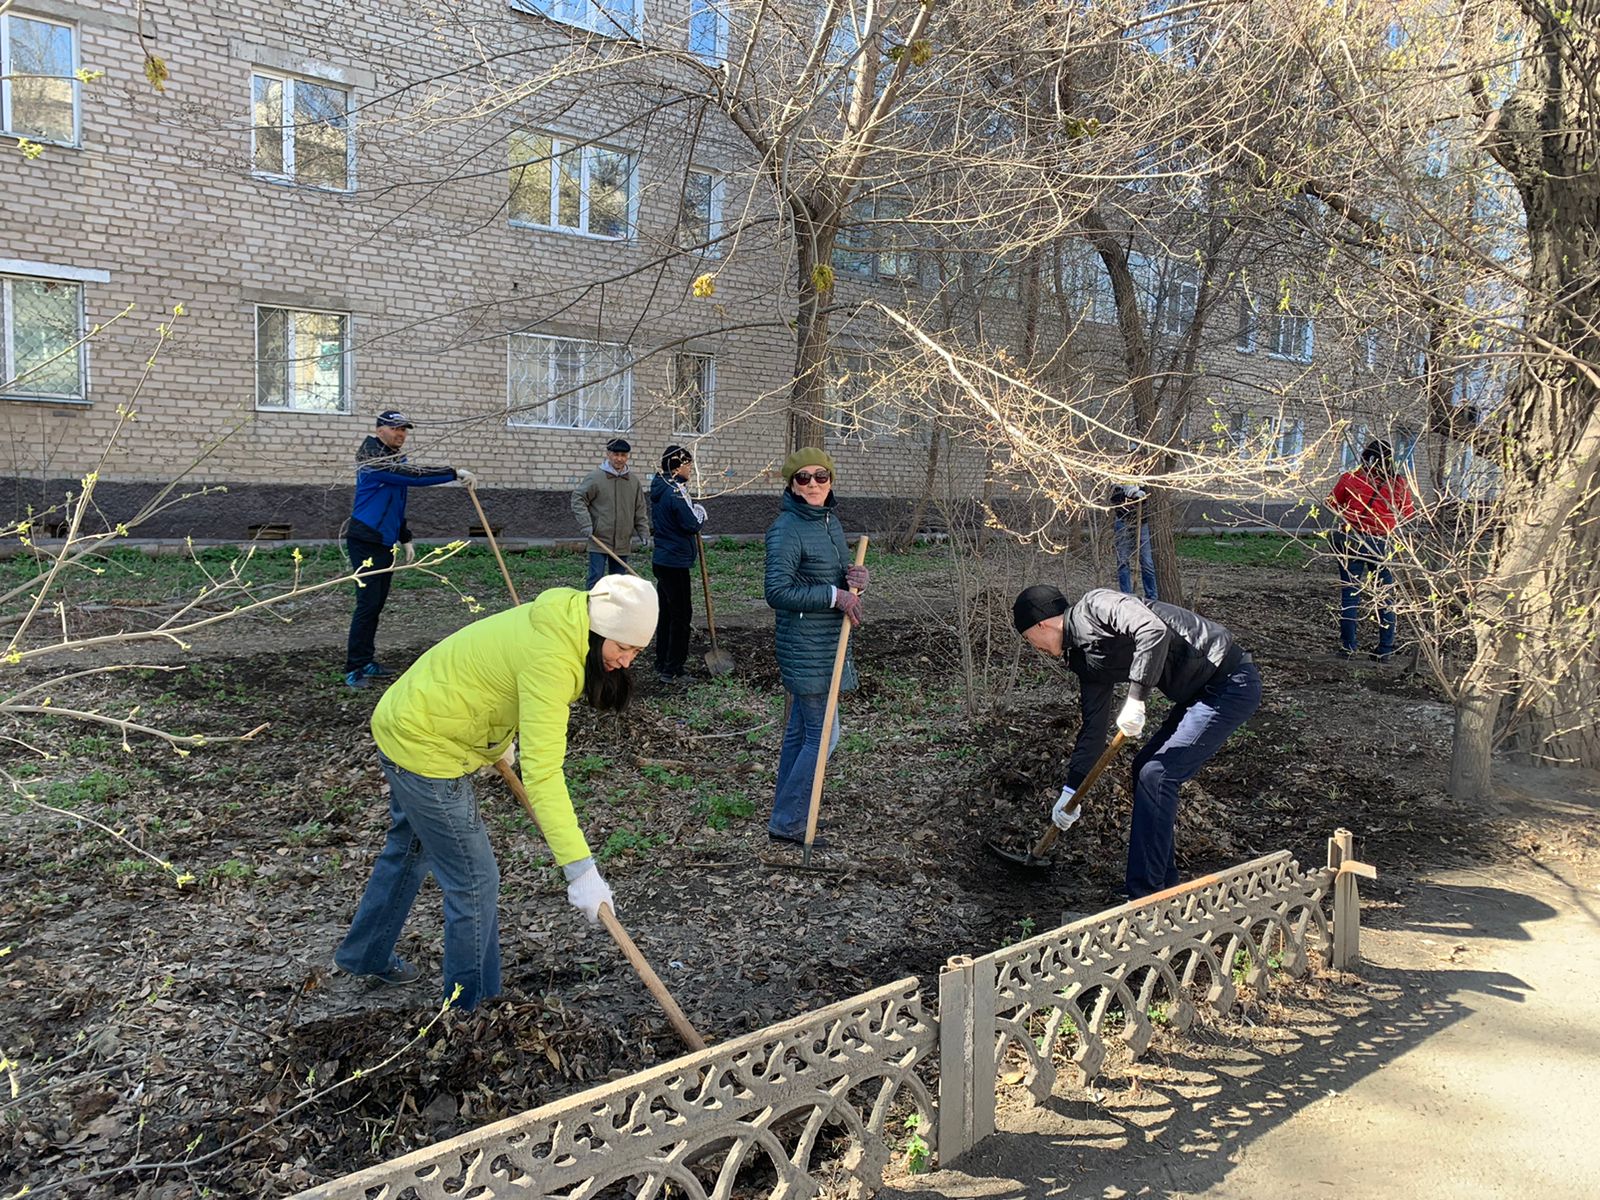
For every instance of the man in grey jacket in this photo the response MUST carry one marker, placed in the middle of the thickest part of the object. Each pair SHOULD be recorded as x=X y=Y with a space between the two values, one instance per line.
x=610 y=504
x=1108 y=638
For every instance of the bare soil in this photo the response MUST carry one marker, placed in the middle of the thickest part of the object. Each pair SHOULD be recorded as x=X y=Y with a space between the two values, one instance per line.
x=178 y=1042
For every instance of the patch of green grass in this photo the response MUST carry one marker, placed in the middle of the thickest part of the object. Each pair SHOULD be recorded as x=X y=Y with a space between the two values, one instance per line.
x=1244 y=549
x=719 y=811
x=95 y=788
x=626 y=841
x=665 y=777
x=305 y=832
x=125 y=868
x=233 y=868
x=857 y=743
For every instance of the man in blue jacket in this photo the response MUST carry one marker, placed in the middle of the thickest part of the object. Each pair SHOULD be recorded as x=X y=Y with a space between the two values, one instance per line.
x=677 y=521
x=377 y=524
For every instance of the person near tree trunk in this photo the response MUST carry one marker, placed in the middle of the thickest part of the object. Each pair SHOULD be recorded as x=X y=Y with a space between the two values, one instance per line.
x=1108 y=638
x=1370 y=502
x=460 y=707
x=1130 y=529
x=808 y=580
x=676 y=520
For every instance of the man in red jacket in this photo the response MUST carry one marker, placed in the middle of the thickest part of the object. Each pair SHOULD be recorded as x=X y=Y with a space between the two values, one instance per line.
x=1371 y=501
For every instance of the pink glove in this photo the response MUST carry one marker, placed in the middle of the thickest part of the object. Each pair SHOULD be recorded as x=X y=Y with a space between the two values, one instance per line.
x=848 y=603
x=857 y=577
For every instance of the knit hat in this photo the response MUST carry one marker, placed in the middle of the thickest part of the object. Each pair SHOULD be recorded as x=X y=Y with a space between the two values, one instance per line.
x=674 y=457
x=808 y=456
x=619 y=446
x=1037 y=603
x=624 y=608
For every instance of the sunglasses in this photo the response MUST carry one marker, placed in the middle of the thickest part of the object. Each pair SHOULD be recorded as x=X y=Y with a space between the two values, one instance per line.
x=805 y=477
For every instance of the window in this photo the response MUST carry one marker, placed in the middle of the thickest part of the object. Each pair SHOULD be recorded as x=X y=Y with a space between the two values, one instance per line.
x=694 y=381
x=708 y=31
x=1369 y=349
x=559 y=184
x=700 y=212
x=1355 y=441
x=1290 y=439
x=1085 y=284
x=41 y=351
x=38 y=81
x=302 y=360
x=873 y=243
x=1289 y=335
x=302 y=131
x=859 y=408
x=568 y=383
x=1277 y=439
x=1180 y=298
x=1244 y=340
x=614 y=18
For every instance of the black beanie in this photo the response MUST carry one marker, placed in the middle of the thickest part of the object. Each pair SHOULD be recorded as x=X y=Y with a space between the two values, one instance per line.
x=1037 y=603
x=674 y=457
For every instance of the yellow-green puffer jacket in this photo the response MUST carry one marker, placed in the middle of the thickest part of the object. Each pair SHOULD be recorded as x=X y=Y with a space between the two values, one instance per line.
x=454 y=711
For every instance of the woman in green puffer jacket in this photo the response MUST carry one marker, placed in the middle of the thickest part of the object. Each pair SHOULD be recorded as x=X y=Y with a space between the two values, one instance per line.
x=809 y=577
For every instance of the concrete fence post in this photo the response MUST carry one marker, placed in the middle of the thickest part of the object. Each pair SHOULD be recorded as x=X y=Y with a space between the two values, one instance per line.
x=1346 y=901
x=955 y=1059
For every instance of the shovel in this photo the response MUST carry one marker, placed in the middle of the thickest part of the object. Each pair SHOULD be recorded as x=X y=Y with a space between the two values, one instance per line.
x=612 y=554
x=619 y=935
x=1037 y=859
x=718 y=661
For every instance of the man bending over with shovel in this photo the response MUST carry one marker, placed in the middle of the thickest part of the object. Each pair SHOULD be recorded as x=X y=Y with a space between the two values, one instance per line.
x=459 y=708
x=1109 y=638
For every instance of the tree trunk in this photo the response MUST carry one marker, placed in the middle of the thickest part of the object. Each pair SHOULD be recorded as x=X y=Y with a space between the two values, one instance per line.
x=1473 y=745
x=808 y=395
x=1161 y=510
x=904 y=540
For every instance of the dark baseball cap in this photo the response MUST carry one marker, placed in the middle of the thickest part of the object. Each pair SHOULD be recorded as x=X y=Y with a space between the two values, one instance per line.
x=394 y=420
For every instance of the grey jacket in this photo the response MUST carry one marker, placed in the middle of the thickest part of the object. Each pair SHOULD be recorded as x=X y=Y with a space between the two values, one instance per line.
x=613 y=508
x=1112 y=638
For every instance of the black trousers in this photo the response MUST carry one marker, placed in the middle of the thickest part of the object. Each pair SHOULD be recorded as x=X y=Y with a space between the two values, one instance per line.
x=369 y=600
x=672 y=635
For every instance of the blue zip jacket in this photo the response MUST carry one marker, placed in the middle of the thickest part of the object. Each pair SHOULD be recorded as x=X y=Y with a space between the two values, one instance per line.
x=806 y=558
x=674 y=524
x=382 y=480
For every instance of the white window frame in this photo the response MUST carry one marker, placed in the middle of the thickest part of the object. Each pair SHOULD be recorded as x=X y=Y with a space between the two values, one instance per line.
x=708 y=392
x=584 y=14
x=876 y=252
x=1245 y=336
x=1369 y=349
x=714 y=201
x=347 y=379
x=514 y=420
x=1354 y=441
x=1087 y=284
x=719 y=53
x=561 y=144
x=6 y=128
x=1180 y=298
x=286 y=129
x=44 y=274
x=1305 y=350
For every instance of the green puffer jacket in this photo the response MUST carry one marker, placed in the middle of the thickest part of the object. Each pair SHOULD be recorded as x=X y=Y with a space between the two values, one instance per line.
x=806 y=558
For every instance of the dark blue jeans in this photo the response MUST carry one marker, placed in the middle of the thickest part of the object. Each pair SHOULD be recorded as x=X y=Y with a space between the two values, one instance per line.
x=370 y=597
x=1172 y=756
x=434 y=827
x=797 y=763
x=1364 y=567
x=601 y=565
x=1123 y=538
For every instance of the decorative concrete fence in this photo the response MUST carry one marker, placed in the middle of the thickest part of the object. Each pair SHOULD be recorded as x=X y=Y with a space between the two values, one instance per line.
x=808 y=1103
x=812 y=1106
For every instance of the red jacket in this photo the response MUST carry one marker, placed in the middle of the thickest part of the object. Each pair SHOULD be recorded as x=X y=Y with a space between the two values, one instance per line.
x=1370 y=504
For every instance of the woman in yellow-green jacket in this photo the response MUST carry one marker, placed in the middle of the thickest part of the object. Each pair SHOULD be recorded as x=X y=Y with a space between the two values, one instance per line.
x=460 y=708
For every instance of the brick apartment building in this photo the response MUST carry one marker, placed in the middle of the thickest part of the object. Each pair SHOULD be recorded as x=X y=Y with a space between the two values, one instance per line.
x=342 y=241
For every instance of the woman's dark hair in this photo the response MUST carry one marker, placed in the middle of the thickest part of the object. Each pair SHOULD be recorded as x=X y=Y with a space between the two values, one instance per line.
x=608 y=691
x=1379 y=456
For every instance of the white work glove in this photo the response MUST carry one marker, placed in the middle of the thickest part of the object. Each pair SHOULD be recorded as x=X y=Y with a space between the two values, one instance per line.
x=410 y=551
x=699 y=511
x=1131 y=719
x=586 y=891
x=465 y=478
x=1061 y=814
x=509 y=758
x=1135 y=493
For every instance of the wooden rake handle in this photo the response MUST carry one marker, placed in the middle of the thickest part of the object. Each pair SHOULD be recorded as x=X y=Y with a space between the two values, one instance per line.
x=619 y=935
x=705 y=586
x=827 y=717
x=493 y=545
x=613 y=556
x=1048 y=839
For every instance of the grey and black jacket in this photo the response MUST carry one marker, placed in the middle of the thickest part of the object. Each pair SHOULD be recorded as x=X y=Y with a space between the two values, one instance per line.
x=1112 y=638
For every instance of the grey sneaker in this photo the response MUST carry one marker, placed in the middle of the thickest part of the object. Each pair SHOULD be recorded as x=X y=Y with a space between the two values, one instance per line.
x=398 y=974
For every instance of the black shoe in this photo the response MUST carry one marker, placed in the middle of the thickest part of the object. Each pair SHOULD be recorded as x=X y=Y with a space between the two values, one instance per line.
x=817 y=843
x=1381 y=657
x=1344 y=654
x=375 y=670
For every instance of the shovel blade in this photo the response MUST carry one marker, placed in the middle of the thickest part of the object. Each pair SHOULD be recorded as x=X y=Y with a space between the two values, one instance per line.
x=719 y=662
x=1018 y=860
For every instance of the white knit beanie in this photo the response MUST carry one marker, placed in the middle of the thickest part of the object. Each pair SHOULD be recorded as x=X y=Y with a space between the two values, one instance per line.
x=624 y=608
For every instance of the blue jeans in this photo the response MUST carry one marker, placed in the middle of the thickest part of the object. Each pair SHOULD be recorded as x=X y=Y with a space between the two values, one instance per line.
x=1362 y=556
x=1123 y=539
x=1171 y=757
x=601 y=565
x=434 y=827
x=797 y=764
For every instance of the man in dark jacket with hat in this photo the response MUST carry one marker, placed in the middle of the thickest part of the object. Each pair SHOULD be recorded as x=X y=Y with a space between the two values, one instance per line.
x=1109 y=638
x=609 y=504
x=377 y=524
x=677 y=521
